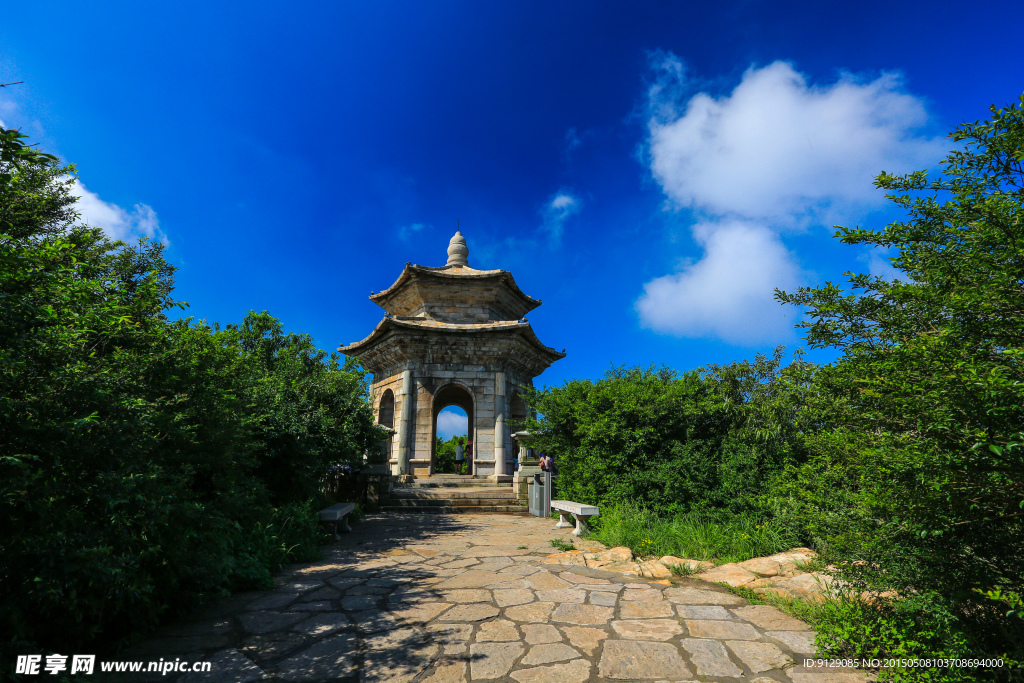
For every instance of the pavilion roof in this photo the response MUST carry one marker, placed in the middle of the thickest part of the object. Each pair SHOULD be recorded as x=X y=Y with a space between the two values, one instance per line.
x=414 y=274
x=398 y=324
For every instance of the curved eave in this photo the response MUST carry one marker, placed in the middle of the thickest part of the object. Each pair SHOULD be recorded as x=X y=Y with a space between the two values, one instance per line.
x=453 y=273
x=419 y=324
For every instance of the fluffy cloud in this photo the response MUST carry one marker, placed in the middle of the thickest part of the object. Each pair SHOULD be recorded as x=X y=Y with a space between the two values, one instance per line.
x=879 y=263
x=728 y=294
x=556 y=212
x=775 y=154
x=407 y=231
x=779 y=148
x=116 y=222
x=451 y=422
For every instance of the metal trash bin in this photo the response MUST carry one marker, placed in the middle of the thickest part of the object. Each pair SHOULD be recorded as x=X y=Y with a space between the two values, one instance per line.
x=540 y=494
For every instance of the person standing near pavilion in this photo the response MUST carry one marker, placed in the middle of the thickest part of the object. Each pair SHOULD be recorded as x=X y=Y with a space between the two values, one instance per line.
x=469 y=457
x=459 y=456
x=545 y=462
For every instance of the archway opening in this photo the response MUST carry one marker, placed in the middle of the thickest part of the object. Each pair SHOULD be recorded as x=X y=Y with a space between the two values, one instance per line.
x=386 y=409
x=452 y=420
x=386 y=418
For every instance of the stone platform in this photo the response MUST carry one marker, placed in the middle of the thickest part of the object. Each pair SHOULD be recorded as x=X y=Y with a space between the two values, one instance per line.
x=451 y=493
x=453 y=598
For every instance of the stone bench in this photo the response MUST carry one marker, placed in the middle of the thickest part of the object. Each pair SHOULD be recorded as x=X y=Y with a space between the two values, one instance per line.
x=337 y=516
x=578 y=510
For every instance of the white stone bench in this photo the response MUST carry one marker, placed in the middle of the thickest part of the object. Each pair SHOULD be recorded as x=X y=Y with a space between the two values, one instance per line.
x=337 y=516
x=578 y=510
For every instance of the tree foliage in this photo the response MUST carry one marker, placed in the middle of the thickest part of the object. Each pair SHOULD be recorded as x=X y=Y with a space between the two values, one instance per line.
x=921 y=475
x=444 y=454
x=147 y=465
x=711 y=438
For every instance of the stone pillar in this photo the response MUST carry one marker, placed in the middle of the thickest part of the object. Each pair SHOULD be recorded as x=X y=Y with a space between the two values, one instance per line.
x=499 y=423
x=499 y=428
x=405 y=431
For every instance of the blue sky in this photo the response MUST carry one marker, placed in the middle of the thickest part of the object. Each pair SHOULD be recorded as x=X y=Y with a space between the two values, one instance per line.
x=650 y=170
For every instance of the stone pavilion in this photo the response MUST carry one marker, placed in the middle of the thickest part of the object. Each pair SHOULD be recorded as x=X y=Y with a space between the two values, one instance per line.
x=452 y=336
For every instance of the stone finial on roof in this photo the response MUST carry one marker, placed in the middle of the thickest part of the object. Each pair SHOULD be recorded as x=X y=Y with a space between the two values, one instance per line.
x=458 y=252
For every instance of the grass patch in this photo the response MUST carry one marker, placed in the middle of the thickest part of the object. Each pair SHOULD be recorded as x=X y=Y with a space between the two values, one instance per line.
x=815 y=564
x=683 y=569
x=564 y=546
x=720 y=538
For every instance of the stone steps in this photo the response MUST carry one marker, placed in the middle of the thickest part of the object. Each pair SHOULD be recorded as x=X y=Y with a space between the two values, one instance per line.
x=455 y=509
x=452 y=481
x=452 y=493
x=446 y=502
x=461 y=492
x=451 y=485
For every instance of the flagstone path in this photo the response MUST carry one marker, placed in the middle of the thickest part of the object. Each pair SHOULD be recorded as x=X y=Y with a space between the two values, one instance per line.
x=448 y=599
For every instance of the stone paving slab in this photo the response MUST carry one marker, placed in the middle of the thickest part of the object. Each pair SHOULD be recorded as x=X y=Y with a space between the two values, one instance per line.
x=449 y=599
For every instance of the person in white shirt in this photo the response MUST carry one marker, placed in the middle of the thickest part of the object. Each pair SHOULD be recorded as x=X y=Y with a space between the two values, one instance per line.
x=459 y=456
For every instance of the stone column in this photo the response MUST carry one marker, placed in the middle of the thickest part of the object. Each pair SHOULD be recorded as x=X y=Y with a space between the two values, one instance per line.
x=405 y=432
x=499 y=428
x=499 y=423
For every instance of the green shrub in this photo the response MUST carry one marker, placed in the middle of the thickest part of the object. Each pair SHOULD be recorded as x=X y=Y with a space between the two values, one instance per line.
x=291 y=533
x=915 y=484
x=147 y=465
x=709 y=439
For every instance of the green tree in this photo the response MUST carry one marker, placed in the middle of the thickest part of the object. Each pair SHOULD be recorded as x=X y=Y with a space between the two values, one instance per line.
x=147 y=465
x=305 y=410
x=445 y=453
x=712 y=438
x=922 y=477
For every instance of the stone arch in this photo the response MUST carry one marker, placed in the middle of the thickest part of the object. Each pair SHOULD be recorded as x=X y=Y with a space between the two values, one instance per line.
x=452 y=394
x=386 y=409
x=386 y=418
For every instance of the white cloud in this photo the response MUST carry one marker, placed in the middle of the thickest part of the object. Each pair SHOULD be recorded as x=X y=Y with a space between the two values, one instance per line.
x=7 y=108
x=572 y=140
x=779 y=148
x=879 y=262
x=556 y=212
x=728 y=294
x=773 y=155
x=451 y=422
x=116 y=222
x=407 y=231
x=15 y=114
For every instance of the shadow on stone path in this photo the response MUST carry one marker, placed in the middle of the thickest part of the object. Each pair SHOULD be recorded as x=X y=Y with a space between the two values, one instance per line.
x=453 y=598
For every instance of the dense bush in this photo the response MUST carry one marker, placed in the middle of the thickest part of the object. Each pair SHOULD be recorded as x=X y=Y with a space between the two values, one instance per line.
x=918 y=486
x=147 y=465
x=710 y=439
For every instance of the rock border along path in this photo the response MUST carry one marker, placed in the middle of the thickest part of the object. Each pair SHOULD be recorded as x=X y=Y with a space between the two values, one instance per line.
x=447 y=599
